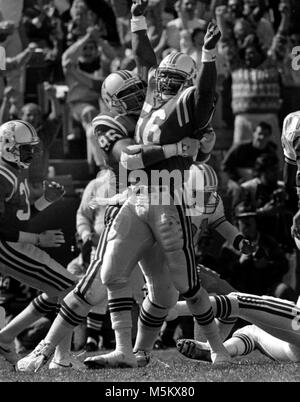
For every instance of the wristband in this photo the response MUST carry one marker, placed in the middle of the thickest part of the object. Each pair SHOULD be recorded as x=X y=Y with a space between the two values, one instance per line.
x=170 y=150
x=208 y=55
x=138 y=23
x=237 y=241
x=42 y=203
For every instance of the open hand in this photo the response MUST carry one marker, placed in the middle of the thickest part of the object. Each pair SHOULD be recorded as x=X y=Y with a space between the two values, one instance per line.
x=212 y=36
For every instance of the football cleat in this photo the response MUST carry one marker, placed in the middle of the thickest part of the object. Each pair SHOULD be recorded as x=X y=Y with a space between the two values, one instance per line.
x=37 y=358
x=68 y=362
x=194 y=349
x=111 y=360
x=7 y=350
x=142 y=358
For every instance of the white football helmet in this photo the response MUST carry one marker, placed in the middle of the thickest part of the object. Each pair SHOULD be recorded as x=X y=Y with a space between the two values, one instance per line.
x=201 y=189
x=176 y=71
x=123 y=92
x=17 y=141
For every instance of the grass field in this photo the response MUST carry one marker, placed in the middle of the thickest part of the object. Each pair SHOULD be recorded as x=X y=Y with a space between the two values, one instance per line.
x=169 y=366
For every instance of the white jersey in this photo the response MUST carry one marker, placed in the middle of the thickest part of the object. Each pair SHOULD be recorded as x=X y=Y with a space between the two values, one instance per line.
x=290 y=137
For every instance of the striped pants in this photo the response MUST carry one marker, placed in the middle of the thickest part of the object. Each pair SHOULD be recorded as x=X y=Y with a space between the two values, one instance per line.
x=34 y=267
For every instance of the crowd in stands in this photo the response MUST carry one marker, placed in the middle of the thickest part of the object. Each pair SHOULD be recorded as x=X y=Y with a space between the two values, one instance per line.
x=72 y=45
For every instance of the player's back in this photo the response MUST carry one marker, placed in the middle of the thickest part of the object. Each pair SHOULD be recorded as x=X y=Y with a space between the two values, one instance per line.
x=291 y=137
x=109 y=128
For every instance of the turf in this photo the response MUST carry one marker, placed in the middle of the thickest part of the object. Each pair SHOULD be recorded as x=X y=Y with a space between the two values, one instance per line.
x=169 y=366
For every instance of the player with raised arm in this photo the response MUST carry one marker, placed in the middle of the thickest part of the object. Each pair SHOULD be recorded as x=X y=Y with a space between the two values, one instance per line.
x=124 y=94
x=173 y=109
x=20 y=253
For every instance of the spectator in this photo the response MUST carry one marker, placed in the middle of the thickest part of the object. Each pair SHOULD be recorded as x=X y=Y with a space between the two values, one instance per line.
x=256 y=85
x=11 y=40
x=239 y=161
x=187 y=21
x=261 y=272
x=266 y=195
x=82 y=67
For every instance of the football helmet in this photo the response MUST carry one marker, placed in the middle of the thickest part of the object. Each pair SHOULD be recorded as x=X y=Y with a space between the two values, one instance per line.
x=176 y=71
x=123 y=92
x=17 y=142
x=201 y=189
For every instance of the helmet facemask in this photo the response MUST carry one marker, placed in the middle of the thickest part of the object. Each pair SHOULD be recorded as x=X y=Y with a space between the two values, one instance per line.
x=169 y=82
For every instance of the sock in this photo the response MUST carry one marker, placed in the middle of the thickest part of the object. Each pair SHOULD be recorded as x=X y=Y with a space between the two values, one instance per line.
x=94 y=324
x=240 y=345
x=150 y=321
x=202 y=311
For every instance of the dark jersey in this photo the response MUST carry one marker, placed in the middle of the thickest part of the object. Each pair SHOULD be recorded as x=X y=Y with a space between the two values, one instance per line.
x=14 y=201
x=167 y=124
x=109 y=128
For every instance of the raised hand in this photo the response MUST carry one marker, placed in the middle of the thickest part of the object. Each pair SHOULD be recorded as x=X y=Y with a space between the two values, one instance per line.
x=138 y=7
x=212 y=36
x=53 y=191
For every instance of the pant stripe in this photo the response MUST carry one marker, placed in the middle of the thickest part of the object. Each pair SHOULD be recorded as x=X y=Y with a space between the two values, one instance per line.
x=270 y=306
x=33 y=269
x=95 y=266
x=188 y=247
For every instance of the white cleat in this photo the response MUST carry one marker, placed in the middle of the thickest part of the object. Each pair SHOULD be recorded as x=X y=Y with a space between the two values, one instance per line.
x=8 y=351
x=111 y=360
x=68 y=362
x=36 y=359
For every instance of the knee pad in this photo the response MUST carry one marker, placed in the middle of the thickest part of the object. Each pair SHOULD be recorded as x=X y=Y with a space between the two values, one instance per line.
x=163 y=295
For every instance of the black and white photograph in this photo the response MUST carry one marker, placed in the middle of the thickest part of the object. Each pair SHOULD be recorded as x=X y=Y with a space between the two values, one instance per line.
x=149 y=194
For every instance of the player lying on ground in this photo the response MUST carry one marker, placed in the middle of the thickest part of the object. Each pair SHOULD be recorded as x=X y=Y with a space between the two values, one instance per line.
x=275 y=331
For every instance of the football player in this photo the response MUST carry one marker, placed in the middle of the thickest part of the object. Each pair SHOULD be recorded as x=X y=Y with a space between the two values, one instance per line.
x=173 y=109
x=20 y=254
x=290 y=140
x=275 y=329
x=124 y=94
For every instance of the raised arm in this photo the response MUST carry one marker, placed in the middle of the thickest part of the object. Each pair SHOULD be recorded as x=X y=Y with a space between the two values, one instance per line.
x=141 y=47
x=205 y=94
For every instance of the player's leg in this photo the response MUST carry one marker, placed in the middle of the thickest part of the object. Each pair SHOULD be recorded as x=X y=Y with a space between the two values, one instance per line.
x=74 y=308
x=251 y=337
x=162 y=295
x=34 y=267
x=128 y=239
x=173 y=231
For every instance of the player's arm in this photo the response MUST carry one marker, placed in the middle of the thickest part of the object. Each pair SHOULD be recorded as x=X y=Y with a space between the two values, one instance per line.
x=139 y=156
x=228 y=231
x=205 y=94
x=141 y=47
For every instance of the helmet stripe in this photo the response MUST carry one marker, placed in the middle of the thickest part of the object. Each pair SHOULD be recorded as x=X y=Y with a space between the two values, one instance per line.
x=31 y=129
x=124 y=74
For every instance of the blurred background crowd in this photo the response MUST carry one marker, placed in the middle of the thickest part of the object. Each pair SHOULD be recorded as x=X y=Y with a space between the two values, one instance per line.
x=58 y=54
